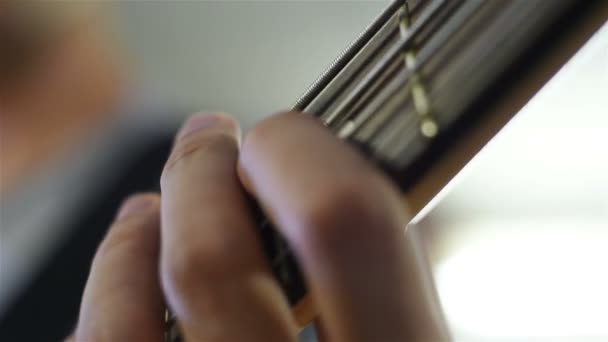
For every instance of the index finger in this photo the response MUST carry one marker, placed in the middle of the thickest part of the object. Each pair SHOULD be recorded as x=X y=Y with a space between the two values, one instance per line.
x=345 y=223
x=214 y=274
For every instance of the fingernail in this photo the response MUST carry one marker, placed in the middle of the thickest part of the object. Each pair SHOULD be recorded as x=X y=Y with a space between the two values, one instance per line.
x=201 y=121
x=134 y=205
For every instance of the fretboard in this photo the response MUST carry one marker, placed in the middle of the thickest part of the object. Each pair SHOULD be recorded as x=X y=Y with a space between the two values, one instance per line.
x=409 y=86
x=421 y=67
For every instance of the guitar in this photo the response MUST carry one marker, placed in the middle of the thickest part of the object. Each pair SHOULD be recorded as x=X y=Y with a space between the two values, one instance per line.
x=426 y=86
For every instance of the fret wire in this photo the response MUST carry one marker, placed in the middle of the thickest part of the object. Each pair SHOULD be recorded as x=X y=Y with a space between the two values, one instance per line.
x=457 y=21
x=405 y=18
x=398 y=85
x=377 y=102
x=398 y=130
x=339 y=63
x=479 y=61
x=360 y=65
x=427 y=16
x=343 y=118
x=428 y=51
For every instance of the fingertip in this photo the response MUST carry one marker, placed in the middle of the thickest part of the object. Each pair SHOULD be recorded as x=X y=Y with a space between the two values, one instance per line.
x=256 y=139
x=123 y=280
x=207 y=120
x=137 y=204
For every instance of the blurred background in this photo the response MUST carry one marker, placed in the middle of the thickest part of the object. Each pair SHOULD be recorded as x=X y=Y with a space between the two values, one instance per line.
x=249 y=58
x=518 y=240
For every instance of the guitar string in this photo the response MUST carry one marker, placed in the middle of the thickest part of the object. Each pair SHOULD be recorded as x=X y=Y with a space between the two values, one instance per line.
x=430 y=12
x=456 y=21
x=403 y=83
x=282 y=254
x=358 y=67
x=340 y=62
x=413 y=70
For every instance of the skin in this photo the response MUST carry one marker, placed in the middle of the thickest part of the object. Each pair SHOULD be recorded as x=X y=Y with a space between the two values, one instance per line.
x=343 y=219
x=49 y=98
x=196 y=246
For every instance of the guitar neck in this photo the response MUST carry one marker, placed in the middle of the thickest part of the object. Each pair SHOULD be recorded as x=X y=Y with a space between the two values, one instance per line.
x=406 y=85
x=429 y=83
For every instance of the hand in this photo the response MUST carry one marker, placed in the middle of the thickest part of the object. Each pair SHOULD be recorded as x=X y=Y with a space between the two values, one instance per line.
x=196 y=246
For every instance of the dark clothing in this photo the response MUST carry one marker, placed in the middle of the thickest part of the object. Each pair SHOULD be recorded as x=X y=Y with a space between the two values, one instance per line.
x=46 y=308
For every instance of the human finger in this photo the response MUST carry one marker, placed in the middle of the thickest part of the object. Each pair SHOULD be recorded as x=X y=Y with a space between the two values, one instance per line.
x=214 y=272
x=345 y=222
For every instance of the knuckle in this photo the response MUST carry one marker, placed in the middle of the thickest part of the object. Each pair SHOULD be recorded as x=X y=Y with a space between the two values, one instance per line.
x=257 y=136
x=265 y=130
x=196 y=270
x=343 y=209
x=128 y=237
x=190 y=146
